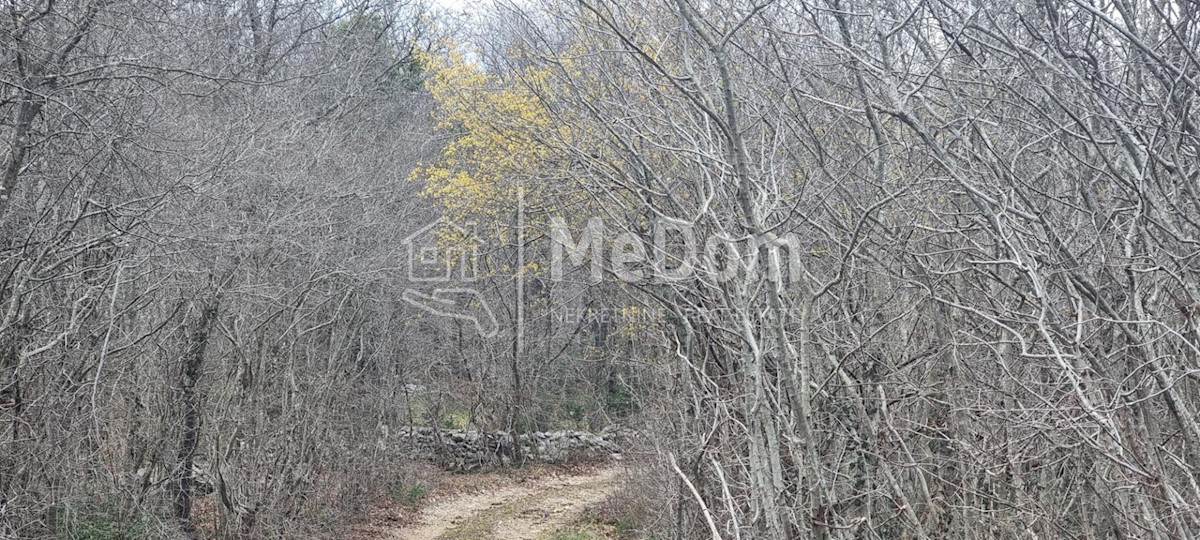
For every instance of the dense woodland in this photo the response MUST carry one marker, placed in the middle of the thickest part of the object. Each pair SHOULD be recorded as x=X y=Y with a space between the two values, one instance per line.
x=958 y=296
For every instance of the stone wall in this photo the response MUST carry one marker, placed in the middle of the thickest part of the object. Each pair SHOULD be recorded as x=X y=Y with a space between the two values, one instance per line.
x=470 y=449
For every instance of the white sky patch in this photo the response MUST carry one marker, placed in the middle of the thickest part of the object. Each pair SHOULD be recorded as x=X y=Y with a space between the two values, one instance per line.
x=455 y=6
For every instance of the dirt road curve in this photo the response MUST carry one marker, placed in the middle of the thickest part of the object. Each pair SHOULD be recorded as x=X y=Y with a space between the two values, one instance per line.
x=529 y=511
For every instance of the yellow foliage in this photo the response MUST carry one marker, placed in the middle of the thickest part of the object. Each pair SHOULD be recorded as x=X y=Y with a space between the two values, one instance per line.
x=500 y=131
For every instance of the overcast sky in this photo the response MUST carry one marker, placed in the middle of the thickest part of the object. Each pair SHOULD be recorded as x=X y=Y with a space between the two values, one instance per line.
x=454 y=5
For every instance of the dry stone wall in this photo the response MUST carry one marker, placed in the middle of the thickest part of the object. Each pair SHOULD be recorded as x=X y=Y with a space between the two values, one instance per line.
x=471 y=449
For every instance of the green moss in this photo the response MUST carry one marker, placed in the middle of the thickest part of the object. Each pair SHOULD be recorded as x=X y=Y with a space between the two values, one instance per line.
x=457 y=419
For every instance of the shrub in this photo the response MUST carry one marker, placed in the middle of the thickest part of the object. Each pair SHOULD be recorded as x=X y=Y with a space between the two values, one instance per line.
x=409 y=495
x=101 y=521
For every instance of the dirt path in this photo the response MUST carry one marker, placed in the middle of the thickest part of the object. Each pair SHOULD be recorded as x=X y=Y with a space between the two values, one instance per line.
x=528 y=511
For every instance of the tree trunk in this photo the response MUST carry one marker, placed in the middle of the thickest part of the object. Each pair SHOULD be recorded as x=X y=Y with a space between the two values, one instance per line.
x=189 y=378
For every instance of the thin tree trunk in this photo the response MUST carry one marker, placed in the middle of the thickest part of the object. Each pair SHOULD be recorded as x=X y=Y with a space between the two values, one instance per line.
x=190 y=374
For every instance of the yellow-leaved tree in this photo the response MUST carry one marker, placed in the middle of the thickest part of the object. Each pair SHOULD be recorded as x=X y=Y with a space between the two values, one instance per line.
x=499 y=142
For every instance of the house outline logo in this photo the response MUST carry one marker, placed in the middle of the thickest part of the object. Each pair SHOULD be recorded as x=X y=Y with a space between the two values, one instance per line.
x=431 y=261
x=450 y=268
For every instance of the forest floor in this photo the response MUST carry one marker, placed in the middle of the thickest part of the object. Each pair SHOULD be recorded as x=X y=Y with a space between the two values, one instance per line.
x=539 y=503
